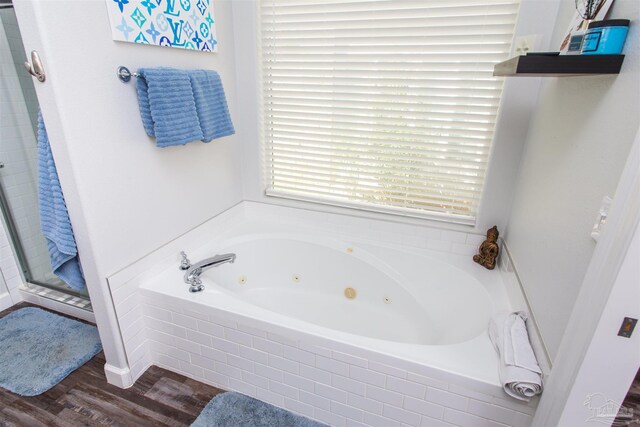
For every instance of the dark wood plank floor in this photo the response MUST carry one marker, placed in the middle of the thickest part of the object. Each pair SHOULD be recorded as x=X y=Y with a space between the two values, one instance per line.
x=158 y=398
x=631 y=402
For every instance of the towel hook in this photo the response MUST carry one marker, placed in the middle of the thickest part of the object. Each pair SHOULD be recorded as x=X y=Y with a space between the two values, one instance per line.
x=124 y=74
x=36 y=70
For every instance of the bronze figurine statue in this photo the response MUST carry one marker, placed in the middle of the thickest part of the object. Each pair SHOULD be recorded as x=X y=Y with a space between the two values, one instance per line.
x=488 y=251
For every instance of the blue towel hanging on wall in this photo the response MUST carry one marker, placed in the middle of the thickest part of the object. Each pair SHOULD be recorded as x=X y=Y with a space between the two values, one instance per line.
x=54 y=218
x=211 y=104
x=167 y=107
x=182 y=106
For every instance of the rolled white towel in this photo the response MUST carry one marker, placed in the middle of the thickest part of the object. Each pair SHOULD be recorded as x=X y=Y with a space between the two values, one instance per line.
x=519 y=371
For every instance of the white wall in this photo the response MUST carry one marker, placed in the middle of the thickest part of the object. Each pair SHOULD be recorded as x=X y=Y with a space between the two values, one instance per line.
x=596 y=376
x=519 y=101
x=593 y=329
x=578 y=143
x=125 y=196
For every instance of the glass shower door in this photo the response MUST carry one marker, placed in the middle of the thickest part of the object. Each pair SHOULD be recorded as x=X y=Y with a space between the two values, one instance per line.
x=18 y=159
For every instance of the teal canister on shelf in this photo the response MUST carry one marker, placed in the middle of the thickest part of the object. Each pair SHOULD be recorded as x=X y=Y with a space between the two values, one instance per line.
x=605 y=37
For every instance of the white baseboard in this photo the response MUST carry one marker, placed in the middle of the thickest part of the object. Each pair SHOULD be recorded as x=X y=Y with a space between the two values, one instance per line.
x=117 y=376
x=58 y=306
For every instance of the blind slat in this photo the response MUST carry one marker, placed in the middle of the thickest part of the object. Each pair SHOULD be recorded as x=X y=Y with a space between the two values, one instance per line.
x=385 y=75
x=437 y=120
x=366 y=151
x=370 y=187
x=406 y=161
x=390 y=130
x=426 y=93
x=338 y=169
x=365 y=166
x=387 y=110
x=402 y=31
x=384 y=24
x=354 y=169
x=473 y=104
x=422 y=64
x=386 y=147
x=424 y=184
x=372 y=135
x=382 y=102
x=391 y=83
x=449 y=144
x=308 y=54
x=382 y=198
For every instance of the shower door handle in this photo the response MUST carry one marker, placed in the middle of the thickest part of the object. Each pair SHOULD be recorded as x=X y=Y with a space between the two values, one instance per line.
x=36 y=70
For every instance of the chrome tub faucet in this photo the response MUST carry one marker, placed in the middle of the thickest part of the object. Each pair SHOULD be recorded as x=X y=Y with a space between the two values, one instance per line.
x=193 y=271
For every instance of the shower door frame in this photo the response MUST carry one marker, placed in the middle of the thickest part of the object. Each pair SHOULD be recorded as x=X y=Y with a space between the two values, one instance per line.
x=21 y=259
x=12 y=232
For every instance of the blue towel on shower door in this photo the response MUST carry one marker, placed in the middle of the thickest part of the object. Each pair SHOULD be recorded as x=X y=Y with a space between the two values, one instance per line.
x=211 y=104
x=167 y=106
x=54 y=218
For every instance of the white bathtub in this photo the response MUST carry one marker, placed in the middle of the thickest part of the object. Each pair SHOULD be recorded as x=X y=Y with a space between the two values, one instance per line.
x=425 y=306
x=400 y=297
x=277 y=325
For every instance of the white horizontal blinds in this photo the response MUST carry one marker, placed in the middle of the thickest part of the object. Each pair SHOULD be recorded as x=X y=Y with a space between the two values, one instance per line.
x=382 y=104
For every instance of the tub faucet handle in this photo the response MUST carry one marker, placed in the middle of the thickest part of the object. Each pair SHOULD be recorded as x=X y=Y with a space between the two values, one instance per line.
x=185 y=264
x=195 y=285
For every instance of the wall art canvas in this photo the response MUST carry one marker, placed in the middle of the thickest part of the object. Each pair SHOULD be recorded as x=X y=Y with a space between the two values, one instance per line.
x=184 y=24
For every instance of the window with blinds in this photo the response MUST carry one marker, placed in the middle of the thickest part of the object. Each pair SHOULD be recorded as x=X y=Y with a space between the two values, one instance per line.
x=384 y=105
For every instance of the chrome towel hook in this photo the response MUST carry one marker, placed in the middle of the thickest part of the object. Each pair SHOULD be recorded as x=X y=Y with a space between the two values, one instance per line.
x=36 y=70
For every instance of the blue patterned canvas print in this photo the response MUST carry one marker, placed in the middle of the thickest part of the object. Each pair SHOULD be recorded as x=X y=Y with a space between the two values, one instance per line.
x=185 y=24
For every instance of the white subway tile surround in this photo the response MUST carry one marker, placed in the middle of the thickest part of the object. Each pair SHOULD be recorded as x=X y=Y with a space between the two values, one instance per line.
x=334 y=381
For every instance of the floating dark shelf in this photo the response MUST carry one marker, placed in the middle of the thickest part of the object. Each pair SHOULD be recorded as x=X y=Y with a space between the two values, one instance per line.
x=559 y=65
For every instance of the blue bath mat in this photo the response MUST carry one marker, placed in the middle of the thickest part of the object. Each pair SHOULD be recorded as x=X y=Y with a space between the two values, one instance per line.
x=237 y=410
x=39 y=349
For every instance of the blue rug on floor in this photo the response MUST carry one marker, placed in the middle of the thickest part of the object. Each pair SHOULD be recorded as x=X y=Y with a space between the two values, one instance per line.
x=39 y=349
x=237 y=410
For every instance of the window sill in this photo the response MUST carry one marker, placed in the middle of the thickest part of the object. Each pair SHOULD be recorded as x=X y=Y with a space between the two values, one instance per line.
x=367 y=211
